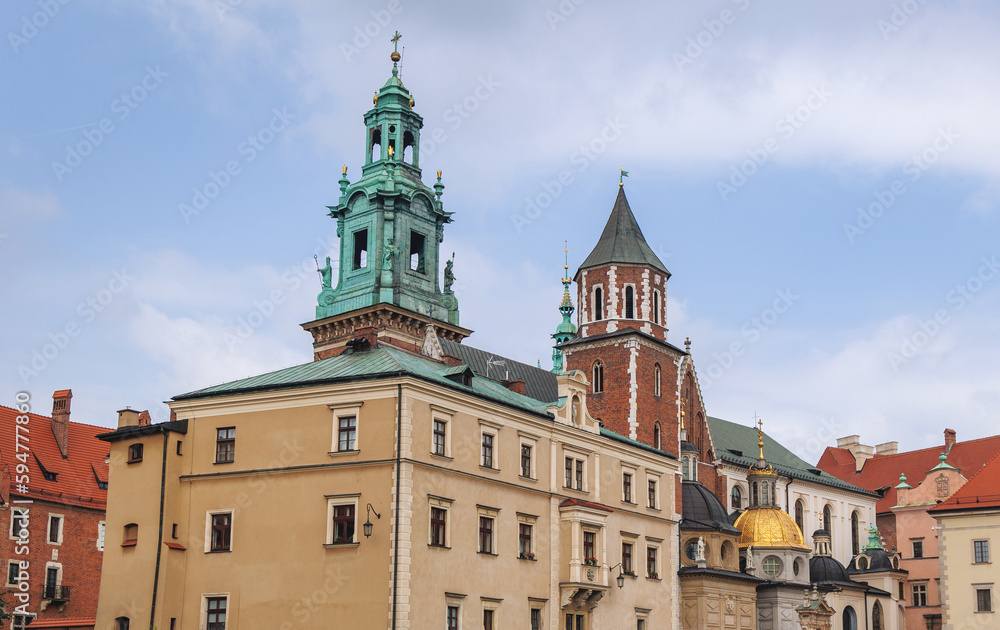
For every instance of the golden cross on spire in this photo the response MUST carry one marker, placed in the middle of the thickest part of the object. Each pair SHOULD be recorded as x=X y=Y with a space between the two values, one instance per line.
x=760 y=436
x=395 y=41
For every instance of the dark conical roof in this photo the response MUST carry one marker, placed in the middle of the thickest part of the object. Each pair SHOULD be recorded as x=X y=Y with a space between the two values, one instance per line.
x=826 y=569
x=702 y=510
x=622 y=240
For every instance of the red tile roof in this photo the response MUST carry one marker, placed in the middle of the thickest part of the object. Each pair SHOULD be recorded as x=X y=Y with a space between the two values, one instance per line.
x=588 y=504
x=76 y=477
x=882 y=471
x=982 y=491
x=63 y=623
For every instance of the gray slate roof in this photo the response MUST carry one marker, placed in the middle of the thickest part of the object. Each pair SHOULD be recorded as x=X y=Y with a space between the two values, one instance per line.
x=540 y=384
x=622 y=240
x=737 y=444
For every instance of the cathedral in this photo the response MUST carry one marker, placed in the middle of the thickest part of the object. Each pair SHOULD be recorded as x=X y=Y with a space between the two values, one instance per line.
x=394 y=482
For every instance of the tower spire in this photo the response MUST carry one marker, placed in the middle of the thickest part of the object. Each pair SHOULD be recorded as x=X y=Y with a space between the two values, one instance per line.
x=566 y=330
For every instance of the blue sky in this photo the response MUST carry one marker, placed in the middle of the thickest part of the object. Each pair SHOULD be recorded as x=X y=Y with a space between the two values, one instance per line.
x=821 y=179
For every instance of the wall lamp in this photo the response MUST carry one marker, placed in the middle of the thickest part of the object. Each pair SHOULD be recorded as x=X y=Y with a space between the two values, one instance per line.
x=368 y=523
x=621 y=577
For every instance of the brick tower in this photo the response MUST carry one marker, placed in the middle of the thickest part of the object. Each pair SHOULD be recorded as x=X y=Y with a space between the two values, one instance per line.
x=640 y=383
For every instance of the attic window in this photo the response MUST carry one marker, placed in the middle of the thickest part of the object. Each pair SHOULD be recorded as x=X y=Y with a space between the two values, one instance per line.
x=815 y=471
x=735 y=452
x=461 y=375
x=102 y=485
x=49 y=476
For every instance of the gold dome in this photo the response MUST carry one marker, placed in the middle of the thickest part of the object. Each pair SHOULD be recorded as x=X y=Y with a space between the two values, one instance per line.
x=769 y=527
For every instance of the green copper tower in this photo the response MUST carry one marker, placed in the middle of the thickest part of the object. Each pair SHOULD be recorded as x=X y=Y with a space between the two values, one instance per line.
x=566 y=330
x=389 y=222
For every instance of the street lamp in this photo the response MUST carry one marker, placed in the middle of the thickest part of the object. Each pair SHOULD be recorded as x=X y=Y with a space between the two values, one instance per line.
x=368 y=523
x=621 y=577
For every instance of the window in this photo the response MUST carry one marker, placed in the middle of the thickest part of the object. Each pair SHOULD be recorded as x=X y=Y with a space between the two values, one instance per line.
x=656 y=436
x=580 y=621
x=877 y=617
x=225 y=445
x=640 y=624
x=360 y=249
x=524 y=548
x=134 y=453
x=55 y=529
x=828 y=520
x=855 y=534
x=656 y=307
x=526 y=460
x=131 y=535
x=485 y=534
x=590 y=548
x=651 y=566
x=574 y=473
x=347 y=433
x=221 y=531
x=536 y=619
x=629 y=303
x=981 y=551
x=440 y=435
x=488 y=460
x=651 y=493
x=771 y=566
x=12 y=570
x=984 y=600
x=627 y=487
x=598 y=384
x=656 y=383
x=918 y=548
x=417 y=242
x=627 y=558
x=19 y=523
x=215 y=613
x=51 y=588
x=736 y=498
x=343 y=524
x=920 y=594
x=101 y=527
x=487 y=619
x=598 y=303
x=20 y=621
x=439 y=527
x=800 y=515
x=452 y=618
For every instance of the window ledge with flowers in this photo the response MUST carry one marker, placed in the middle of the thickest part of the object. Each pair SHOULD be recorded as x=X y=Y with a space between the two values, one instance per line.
x=629 y=573
x=527 y=556
x=654 y=576
x=590 y=562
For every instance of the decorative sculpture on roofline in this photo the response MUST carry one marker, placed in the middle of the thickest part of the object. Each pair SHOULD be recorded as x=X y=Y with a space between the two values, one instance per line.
x=449 y=275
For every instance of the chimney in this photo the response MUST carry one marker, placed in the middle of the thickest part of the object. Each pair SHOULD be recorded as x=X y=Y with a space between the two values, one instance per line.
x=144 y=419
x=60 y=419
x=128 y=418
x=887 y=448
x=949 y=439
x=518 y=386
x=861 y=452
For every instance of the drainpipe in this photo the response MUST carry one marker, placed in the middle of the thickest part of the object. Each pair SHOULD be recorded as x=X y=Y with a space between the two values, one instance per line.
x=399 y=452
x=159 y=535
x=788 y=503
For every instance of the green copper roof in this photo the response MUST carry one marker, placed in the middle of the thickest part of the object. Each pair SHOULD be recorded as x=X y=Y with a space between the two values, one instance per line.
x=622 y=240
x=737 y=444
x=379 y=362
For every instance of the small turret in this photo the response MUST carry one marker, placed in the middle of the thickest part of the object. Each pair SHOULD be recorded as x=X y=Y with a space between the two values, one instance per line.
x=565 y=330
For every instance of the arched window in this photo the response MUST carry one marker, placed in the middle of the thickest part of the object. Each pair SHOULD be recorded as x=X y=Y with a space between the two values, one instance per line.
x=850 y=619
x=629 y=303
x=855 y=533
x=877 y=617
x=828 y=519
x=800 y=515
x=656 y=379
x=656 y=307
x=656 y=435
x=598 y=303
x=736 y=498
x=122 y=623
x=598 y=377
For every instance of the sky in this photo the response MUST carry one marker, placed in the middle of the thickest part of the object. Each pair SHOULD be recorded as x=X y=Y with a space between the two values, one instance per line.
x=820 y=178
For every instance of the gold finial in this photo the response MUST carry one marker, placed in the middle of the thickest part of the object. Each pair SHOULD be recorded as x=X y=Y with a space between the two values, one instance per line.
x=439 y=174
x=621 y=176
x=760 y=437
x=375 y=97
x=390 y=151
x=344 y=172
x=682 y=419
x=395 y=45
